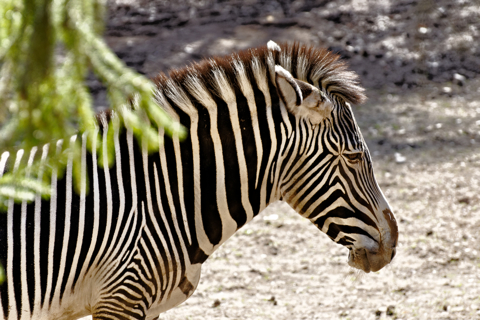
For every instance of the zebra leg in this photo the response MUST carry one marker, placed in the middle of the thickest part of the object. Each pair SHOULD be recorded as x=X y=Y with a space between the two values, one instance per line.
x=183 y=289
x=128 y=294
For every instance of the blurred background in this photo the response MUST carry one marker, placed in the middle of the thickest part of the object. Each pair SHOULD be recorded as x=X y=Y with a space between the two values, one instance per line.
x=420 y=63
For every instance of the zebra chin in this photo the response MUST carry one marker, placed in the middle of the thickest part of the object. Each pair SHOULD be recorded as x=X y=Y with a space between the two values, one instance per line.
x=367 y=261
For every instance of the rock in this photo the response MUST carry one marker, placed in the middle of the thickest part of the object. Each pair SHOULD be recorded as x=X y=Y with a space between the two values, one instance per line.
x=459 y=79
x=399 y=158
x=273 y=300
x=390 y=310
x=447 y=90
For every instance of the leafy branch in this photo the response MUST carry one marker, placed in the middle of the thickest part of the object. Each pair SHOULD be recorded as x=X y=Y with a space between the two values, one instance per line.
x=47 y=49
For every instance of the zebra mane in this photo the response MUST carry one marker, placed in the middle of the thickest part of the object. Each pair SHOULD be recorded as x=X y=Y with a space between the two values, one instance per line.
x=319 y=67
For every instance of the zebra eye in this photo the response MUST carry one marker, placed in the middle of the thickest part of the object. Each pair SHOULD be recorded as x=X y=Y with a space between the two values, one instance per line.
x=353 y=157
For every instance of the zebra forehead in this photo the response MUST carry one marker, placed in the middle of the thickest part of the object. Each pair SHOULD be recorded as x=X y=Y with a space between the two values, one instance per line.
x=315 y=65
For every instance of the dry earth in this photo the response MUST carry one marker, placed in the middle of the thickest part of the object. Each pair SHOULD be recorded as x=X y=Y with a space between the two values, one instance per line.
x=420 y=63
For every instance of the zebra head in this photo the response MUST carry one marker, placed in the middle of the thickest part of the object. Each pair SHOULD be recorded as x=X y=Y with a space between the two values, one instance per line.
x=328 y=176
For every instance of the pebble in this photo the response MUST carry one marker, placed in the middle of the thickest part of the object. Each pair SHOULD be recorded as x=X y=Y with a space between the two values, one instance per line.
x=399 y=158
x=447 y=90
x=390 y=310
x=423 y=30
x=459 y=79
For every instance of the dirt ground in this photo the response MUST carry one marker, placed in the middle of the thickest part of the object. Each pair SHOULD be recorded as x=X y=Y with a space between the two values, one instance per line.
x=420 y=63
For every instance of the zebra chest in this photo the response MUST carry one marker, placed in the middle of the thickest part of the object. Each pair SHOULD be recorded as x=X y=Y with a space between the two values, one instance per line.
x=180 y=288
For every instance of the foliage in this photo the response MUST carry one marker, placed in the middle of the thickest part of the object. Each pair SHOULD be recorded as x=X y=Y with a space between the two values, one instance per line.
x=47 y=48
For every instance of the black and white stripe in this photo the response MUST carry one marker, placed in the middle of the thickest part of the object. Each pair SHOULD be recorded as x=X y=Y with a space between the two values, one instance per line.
x=272 y=123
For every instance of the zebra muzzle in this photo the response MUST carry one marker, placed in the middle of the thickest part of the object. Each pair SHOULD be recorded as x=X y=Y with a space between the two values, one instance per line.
x=367 y=260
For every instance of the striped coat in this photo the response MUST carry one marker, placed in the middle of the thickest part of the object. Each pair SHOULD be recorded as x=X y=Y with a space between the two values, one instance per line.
x=267 y=124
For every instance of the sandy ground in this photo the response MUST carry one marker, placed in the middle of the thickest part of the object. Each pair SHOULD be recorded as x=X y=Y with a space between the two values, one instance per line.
x=420 y=63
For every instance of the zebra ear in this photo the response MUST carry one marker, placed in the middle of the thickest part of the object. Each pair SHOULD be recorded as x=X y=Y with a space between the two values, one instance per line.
x=287 y=88
x=301 y=98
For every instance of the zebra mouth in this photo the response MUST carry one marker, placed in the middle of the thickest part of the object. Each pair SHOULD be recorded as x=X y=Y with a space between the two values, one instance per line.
x=359 y=259
x=367 y=260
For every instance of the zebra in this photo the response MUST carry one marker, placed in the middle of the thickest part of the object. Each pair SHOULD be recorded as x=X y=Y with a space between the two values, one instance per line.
x=265 y=124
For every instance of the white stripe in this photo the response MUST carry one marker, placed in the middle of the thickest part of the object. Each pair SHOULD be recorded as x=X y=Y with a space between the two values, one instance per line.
x=108 y=190
x=286 y=119
x=326 y=173
x=305 y=169
x=227 y=94
x=197 y=89
x=304 y=137
x=282 y=153
x=308 y=147
x=307 y=177
x=104 y=275
x=296 y=140
x=112 y=251
x=262 y=83
x=52 y=227
x=150 y=261
x=37 y=303
x=120 y=266
x=66 y=233
x=229 y=225
x=247 y=90
x=12 y=306
x=133 y=180
x=81 y=212
x=101 y=274
x=166 y=282
x=178 y=158
x=171 y=285
x=88 y=257
x=352 y=200
x=181 y=196
x=184 y=256
x=3 y=162
x=23 y=244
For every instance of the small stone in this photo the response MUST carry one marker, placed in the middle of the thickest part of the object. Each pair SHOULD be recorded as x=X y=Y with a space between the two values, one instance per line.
x=447 y=90
x=378 y=313
x=390 y=310
x=459 y=79
x=399 y=158
x=216 y=303
x=271 y=217
x=423 y=30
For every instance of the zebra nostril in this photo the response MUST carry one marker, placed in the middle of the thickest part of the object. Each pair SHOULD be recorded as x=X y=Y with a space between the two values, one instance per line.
x=394 y=251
